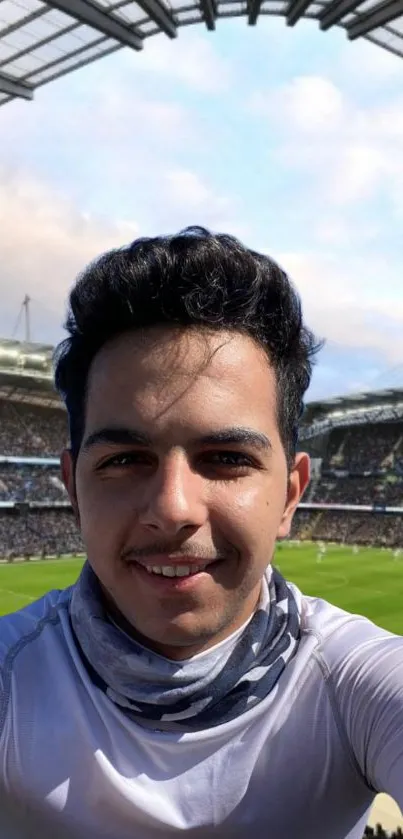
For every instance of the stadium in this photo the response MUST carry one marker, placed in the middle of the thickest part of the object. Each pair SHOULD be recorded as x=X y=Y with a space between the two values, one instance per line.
x=347 y=539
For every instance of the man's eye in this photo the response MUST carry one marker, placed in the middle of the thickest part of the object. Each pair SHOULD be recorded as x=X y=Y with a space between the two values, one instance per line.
x=229 y=459
x=124 y=459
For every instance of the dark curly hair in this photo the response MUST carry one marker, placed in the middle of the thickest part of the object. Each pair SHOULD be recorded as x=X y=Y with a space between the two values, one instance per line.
x=193 y=278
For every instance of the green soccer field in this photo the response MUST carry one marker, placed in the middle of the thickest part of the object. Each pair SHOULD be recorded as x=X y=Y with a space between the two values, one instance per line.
x=368 y=583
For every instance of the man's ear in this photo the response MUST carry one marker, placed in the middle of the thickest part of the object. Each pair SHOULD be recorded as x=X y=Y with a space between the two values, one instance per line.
x=297 y=484
x=68 y=476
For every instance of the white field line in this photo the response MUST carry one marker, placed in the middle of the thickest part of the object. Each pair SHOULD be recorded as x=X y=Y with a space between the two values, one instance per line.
x=20 y=594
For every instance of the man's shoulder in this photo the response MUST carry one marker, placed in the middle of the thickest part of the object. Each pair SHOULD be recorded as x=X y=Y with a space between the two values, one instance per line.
x=345 y=640
x=19 y=629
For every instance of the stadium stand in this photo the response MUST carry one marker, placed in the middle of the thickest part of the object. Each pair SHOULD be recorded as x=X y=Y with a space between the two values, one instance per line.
x=27 y=431
x=43 y=532
x=356 y=492
x=349 y=528
x=30 y=483
x=35 y=516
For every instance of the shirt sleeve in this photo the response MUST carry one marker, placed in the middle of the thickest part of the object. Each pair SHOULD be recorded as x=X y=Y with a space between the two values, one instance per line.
x=365 y=668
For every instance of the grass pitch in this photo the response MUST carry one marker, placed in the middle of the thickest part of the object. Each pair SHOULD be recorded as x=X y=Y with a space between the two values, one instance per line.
x=368 y=583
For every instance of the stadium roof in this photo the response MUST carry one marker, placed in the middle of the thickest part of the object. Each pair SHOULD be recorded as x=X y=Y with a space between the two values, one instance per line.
x=26 y=373
x=354 y=409
x=339 y=404
x=41 y=41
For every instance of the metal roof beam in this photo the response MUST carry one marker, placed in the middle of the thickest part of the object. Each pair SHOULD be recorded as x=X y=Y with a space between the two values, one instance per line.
x=335 y=12
x=254 y=7
x=296 y=9
x=209 y=13
x=13 y=87
x=379 y=15
x=92 y=15
x=160 y=15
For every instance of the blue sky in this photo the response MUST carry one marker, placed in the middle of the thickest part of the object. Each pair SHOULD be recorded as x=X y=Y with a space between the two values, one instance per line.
x=290 y=138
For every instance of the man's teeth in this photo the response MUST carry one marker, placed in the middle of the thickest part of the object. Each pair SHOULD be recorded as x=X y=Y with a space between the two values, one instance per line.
x=175 y=570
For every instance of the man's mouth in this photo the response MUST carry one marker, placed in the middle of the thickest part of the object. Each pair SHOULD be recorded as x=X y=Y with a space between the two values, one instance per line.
x=179 y=569
x=175 y=570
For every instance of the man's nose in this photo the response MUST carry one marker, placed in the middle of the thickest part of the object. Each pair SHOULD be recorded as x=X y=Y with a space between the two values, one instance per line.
x=173 y=499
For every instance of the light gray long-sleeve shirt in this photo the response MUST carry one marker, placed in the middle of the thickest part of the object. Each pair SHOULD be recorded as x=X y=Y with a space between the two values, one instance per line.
x=305 y=763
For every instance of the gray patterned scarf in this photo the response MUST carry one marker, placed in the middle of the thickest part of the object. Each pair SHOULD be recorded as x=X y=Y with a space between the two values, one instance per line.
x=203 y=691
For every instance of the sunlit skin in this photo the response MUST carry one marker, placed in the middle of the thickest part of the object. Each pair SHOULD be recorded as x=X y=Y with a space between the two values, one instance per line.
x=181 y=462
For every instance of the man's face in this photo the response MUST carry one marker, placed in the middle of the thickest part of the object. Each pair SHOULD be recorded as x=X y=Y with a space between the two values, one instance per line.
x=181 y=466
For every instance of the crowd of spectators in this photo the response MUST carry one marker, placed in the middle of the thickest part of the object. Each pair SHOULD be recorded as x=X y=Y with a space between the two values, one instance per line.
x=362 y=466
x=379 y=833
x=40 y=533
x=31 y=431
x=382 y=491
x=372 y=448
x=349 y=528
x=30 y=483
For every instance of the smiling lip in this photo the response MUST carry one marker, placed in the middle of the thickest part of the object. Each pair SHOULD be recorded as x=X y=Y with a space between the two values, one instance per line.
x=176 y=583
x=166 y=559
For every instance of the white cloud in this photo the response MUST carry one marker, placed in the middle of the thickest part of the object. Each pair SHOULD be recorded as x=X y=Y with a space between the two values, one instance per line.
x=128 y=120
x=352 y=303
x=46 y=238
x=365 y=63
x=45 y=242
x=188 y=188
x=307 y=104
x=192 y=60
x=339 y=232
x=352 y=151
x=360 y=169
x=188 y=192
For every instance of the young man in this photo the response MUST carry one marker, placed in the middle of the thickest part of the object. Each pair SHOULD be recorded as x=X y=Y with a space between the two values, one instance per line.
x=182 y=687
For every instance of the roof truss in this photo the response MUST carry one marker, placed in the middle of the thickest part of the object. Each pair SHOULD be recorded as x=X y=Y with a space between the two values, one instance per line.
x=42 y=40
x=91 y=14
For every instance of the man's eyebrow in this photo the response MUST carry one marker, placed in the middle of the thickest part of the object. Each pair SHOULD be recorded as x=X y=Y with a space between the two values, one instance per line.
x=236 y=436
x=116 y=436
x=120 y=436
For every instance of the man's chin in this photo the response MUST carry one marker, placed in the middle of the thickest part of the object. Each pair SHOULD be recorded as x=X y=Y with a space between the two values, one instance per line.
x=176 y=642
